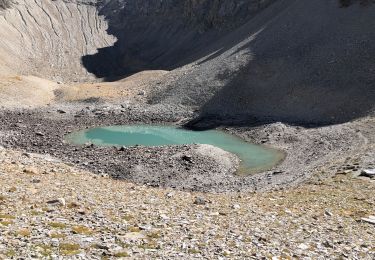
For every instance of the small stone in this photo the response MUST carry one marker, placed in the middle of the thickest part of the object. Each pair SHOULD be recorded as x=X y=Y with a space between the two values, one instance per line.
x=60 y=201
x=39 y=133
x=134 y=236
x=31 y=170
x=236 y=206
x=370 y=220
x=146 y=227
x=328 y=213
x=368 y=173
x=200 y=201
x=187 y=158
x=164 y=217
x=303 y=246
x=26 y=155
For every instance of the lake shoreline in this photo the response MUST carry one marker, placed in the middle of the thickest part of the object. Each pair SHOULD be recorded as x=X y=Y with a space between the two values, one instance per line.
x=308 y=149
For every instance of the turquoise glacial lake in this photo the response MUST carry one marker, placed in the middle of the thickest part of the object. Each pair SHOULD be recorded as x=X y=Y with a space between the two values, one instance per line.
x=254 y=158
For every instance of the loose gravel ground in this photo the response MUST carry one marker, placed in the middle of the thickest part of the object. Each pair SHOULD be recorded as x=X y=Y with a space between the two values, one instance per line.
x=51 y=210
x=61 y=201
x=307 y=149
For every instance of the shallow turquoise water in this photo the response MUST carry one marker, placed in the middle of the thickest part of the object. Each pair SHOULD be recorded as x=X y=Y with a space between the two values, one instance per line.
x=253 y=157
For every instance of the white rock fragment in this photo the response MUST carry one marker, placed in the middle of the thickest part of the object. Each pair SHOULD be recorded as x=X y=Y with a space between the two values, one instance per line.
x=368 y=173
x=62 y=201
x=303 y=246
x=370 y=219
x=236 y=206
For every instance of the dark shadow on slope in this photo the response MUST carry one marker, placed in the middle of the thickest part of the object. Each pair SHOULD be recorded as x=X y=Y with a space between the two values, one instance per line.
x=164 y=38
x=313 y=70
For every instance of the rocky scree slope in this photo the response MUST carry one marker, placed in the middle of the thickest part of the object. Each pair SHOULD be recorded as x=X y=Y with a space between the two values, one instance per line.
x=294 y=61
x=298 y=62
x=165 y=34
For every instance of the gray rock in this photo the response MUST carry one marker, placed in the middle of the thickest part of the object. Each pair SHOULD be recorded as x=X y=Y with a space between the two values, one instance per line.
x=368 y=173
x=200 y=201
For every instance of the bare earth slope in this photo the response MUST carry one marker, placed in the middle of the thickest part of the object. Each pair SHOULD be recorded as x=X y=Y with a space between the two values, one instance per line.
x=294 y=61
x=48 y=38
x=297 y=61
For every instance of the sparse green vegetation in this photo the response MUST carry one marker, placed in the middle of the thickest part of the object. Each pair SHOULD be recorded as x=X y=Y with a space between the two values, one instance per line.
x=6 y=216
x=127 y=217
x=6 y=222
x=24 y=232
x=58 y=225
x=82 y=230
x=10 y=253
x=121 y=254
x=36 y=213
x=45 y=250
x=69 y=248
x=154 y=235
x=57 y=235
x=134 y=229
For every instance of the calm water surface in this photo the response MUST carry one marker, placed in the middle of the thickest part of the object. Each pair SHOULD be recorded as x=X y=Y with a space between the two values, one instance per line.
x=253 y=157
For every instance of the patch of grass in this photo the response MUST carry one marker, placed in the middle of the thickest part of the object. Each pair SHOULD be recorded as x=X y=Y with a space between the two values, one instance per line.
x=127 y=217
x=36 y=213
x=193 y=251
x=13 y=189
x=57 y=235
x=6 y=223
x=134 y=229
x=121 y=254
x=73 y=205
x=82 y=230
x=10 y=253
x=154 y=235
x=24 y=232
x=6 y=216
x=69 y=249
x=57 y=225
x=45 y=250
x=149 y=245
x=123 y=244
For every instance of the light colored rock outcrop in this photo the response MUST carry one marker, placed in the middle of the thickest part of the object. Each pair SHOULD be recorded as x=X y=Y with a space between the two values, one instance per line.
x=48 y=38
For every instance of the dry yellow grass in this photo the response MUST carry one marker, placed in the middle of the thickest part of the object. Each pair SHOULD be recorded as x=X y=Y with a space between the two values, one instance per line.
x=111 y=91
x=18 y=91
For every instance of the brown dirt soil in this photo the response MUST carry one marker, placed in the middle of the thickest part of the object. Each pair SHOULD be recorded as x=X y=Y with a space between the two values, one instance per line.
x=111 y=91
x=26 y=91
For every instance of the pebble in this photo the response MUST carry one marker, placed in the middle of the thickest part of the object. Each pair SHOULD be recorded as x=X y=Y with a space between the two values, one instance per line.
x=200 y=201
